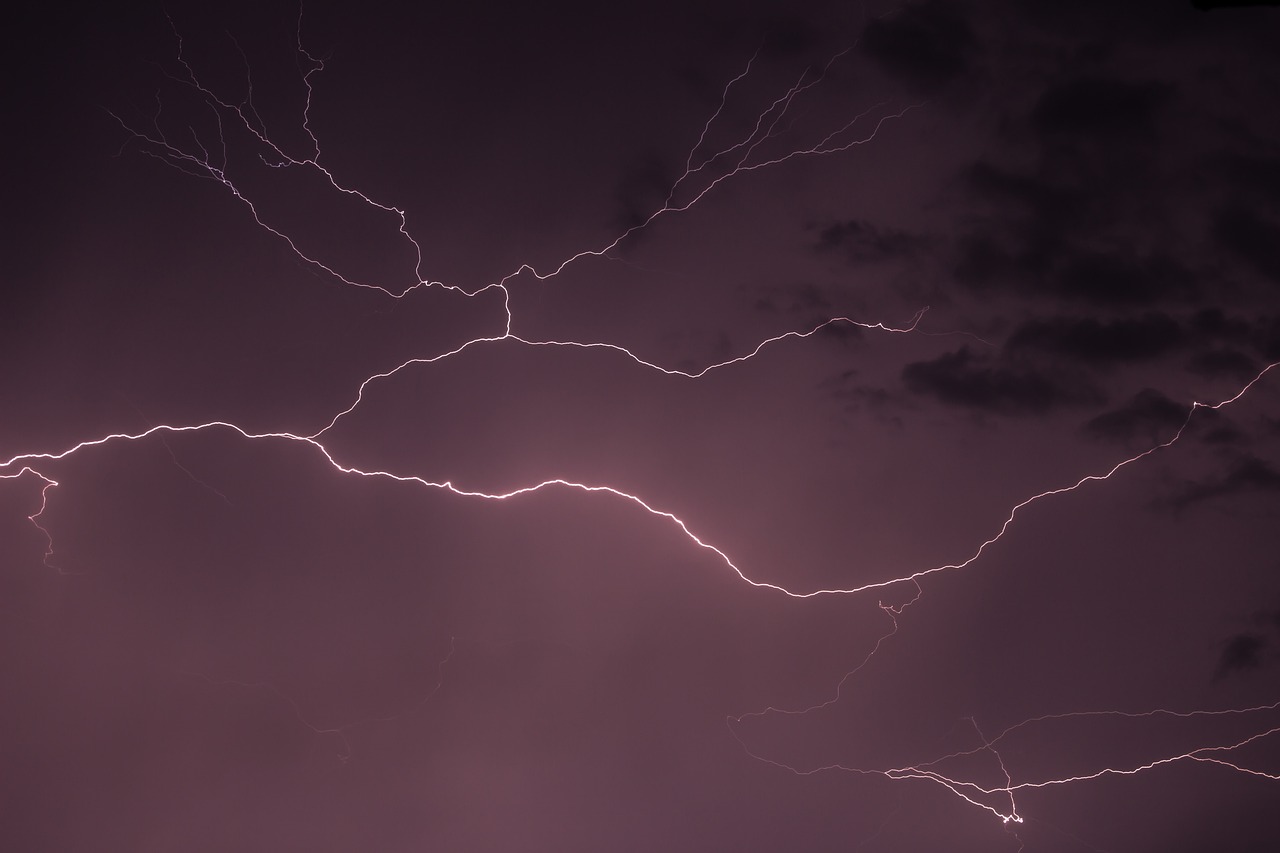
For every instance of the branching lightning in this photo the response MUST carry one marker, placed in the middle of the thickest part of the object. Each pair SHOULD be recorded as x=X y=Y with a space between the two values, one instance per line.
x=704 y=171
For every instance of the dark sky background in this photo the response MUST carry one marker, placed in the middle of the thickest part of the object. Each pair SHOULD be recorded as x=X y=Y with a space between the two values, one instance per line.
x=232 y=645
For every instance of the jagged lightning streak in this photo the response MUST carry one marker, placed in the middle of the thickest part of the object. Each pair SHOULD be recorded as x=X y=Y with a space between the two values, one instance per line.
x=973 y=792
x=970 y=791
x=156 y=143
x=29 y=460
x=34 y=518
x=601 y=345
x=701 y=176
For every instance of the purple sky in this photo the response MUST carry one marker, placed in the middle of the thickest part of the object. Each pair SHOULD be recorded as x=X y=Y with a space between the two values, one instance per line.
x=231 y=644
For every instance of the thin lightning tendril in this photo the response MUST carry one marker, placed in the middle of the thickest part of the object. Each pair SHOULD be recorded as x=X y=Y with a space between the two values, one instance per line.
x=703 y=173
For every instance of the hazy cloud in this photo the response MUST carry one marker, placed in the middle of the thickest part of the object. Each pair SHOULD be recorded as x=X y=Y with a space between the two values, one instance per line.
x=1051 y=205
x=1097 y=108
x=642 y=189
x=1213 y=323
x=1091 y=340
x=1251 y=237
x=1258 y=175
x=1121 y=279
x=1223 y=362
x=962 y=379
x=862 y=242
x=926 y=45
x=1241 y=652
x=1249 y=474
x=1148 y=415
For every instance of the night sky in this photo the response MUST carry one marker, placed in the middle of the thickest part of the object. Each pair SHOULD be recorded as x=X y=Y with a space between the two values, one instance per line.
x=664 y=426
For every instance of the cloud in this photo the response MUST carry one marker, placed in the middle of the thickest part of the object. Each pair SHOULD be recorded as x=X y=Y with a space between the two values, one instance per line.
x=1097 y=108
x=1241 y=652
x=1258 y=175
x=1086 y=339
x=1038 y=236
x=642 y=189
x=1247 y=650
x=862 y=242
x=1148 y=415
x=1213 y=323
x=1250 y=237
x=1112 y=279
x=1267 y=338
x=1249 y=474
x=1040 y=263
x=1225 y=434
x=1050 y=204
x=1206 y=5
x=925 y=45
x=1223 y=362
x=962 y=379
x=982 y=263
x=1047 y=229
x=804 y=298
x=788 y=37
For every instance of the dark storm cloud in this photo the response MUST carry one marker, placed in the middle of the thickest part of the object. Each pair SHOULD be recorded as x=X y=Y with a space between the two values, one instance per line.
x=984 y=263
x=1037 y=236
x=1241 y=652
x=788 y=37
x=963 y=379
x=1047 y=229
x=1266 y=338
x=1111 y=279
x=775 y=35
x=926 y=45
x=1253 y=238
x=1249 y=474
x=1106 y=24
x=642 y=189
x=1090 y=340
x=1223 y=435
x=849 y=389
x=1256 y=175
x=801 y=298
x=1148 y=415
x=1247 y=649
x=862 y=242
x=1223 y=362
x=1100 y=136
x=1041 y=264
x=1050 y=205
x=812 y=306
x=1207 y=5
x=1097 y=108
x=1213 y=323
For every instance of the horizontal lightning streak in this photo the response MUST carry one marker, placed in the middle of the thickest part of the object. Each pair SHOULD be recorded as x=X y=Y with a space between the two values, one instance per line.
x=669 y=371
x=27 y=458
x=970 y=791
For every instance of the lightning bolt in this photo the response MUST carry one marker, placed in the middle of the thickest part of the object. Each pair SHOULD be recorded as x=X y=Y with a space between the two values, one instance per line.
x=767 y=143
